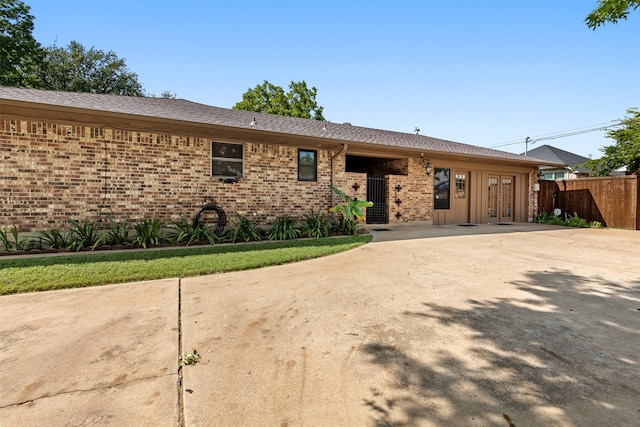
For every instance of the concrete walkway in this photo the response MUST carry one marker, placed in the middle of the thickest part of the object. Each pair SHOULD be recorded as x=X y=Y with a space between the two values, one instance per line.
x=501 y=325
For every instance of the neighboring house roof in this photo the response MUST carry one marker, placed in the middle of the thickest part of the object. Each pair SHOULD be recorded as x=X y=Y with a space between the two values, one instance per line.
x=179 y=110
x=556 y=155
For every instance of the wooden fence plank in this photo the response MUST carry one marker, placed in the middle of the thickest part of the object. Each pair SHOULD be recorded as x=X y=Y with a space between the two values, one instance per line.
x=614 y=201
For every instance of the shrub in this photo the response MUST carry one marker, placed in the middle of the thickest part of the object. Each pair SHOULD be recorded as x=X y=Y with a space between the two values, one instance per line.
x=17 y=244
x=184 y=231
x=283 y=229
x=148 y=232
x=566 y=220
x=244 y=230
x=56 y=239
x=118 y=232
x=316 y=225
x=344 y=225
x=85 y=235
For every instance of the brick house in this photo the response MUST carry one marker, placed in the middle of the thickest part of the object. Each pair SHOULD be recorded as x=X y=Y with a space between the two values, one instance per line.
x=78 y=155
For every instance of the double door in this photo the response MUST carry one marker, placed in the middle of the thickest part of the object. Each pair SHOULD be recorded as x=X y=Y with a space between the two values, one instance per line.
x=500 y=194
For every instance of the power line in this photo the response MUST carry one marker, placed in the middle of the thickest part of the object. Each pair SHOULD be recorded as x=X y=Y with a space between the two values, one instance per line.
x=561 y=134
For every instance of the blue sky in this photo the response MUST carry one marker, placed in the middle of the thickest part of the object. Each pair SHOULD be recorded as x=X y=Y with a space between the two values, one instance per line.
x=479 y=72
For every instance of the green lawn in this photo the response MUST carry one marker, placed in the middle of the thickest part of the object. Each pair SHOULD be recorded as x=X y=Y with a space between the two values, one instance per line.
x=40 y=273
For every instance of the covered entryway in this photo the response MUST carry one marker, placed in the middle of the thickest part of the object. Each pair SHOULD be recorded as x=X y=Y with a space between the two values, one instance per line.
x=500 y=195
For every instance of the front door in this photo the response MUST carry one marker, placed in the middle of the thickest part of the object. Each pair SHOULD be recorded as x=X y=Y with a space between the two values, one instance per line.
x=500 y=198
x=460 y=206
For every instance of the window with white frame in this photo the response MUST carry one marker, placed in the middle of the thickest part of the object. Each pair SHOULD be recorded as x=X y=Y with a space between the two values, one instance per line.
x=227 y=160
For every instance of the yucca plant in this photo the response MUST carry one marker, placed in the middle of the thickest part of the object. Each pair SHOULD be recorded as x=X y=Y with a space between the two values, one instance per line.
x=184 y=231
x=4 y=239
x=17 y=244
x=244 y=230
x=84 y=235
x=148 y=232
x=316 y=225
x=343 y=225
x=283 y=229
x=118 y=232
x=56 y=239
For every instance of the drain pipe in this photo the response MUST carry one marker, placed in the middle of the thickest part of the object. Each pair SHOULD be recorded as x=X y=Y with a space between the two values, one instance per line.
x=333 y=171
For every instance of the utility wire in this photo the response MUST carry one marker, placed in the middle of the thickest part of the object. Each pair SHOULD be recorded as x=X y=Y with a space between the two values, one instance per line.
x=562 y=134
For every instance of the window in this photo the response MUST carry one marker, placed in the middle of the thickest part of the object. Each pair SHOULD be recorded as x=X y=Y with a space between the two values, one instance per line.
x=559 y=175
x=227 y=160
x=461 y=185
x=307 y=165
x=548 y=176
x=441 y=184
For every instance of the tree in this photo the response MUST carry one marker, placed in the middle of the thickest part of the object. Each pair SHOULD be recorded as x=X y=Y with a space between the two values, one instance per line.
x=267 y=98
x=76 y=69
x=625 y=152
x=20 y=53
x=610 y=11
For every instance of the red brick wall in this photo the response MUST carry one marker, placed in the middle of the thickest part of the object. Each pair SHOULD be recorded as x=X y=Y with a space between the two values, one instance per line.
x=50 y=172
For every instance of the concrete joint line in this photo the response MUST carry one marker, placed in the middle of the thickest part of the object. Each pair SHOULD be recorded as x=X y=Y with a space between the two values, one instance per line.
x=180 y=353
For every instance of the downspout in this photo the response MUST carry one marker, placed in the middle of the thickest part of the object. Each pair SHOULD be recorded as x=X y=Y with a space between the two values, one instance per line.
x=333 y=171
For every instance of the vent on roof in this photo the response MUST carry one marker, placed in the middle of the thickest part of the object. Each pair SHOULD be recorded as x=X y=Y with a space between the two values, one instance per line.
x=347 y=123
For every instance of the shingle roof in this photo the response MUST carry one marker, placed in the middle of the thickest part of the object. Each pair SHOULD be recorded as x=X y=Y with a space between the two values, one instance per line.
x=556 y=155
x=187 y=111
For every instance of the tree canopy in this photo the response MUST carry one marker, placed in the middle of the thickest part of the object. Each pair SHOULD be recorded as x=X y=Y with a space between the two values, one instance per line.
x=20 y=53
x=299 y=101
x=626 y=150
x=77 y=69
x=610 y=11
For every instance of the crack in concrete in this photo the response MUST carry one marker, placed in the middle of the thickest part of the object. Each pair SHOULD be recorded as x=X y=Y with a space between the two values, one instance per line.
x=106 y=387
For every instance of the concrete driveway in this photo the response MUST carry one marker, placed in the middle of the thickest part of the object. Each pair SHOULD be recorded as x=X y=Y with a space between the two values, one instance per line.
x=492 y=325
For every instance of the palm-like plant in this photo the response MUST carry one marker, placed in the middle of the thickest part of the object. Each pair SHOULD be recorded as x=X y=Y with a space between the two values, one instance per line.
x=350 y=209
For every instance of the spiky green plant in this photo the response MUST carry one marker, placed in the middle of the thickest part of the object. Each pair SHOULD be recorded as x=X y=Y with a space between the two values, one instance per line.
x=244 y=230
x=118 y=232
x=84 y=235
x=56 y=239
x=148 y=232
x=17 y=243
x=316 y=225
x=184 y=231
x=283 y=228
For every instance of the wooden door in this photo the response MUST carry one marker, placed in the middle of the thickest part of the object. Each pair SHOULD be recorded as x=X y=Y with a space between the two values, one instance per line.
x=500 y=195
x=461 y=197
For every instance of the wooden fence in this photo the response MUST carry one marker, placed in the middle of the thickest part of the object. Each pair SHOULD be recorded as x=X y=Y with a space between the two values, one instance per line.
x=612 y=200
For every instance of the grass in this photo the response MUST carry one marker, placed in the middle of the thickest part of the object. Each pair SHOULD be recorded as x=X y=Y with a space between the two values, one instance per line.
x=43 y=273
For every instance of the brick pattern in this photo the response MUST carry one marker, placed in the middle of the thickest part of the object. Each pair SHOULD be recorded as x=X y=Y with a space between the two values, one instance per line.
x=51 y=172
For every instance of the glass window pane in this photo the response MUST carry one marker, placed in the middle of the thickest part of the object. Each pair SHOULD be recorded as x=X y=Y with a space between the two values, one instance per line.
x=559 y=175
x=226 y=169
x=441 y=184
x=307 y=165
x=227 y=160
x=226 y=150
x=461 y=186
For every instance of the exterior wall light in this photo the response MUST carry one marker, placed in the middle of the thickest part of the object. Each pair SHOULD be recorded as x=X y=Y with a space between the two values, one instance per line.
x=428 y=168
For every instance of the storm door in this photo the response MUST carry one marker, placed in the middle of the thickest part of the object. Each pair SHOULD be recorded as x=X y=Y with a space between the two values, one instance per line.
x=377 y=193
x=500 y=195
